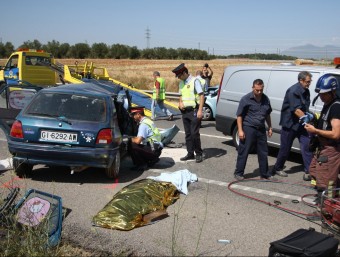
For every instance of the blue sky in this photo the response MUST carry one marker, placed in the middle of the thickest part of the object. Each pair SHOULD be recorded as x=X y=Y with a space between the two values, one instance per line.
x=217 y=26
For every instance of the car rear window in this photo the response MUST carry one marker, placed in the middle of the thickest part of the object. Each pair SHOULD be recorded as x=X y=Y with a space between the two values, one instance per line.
x=70 y=106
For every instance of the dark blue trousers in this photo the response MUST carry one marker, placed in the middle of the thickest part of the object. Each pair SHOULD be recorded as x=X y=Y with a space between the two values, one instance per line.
x=256 y=137
x=192 y=132
x=286 y=141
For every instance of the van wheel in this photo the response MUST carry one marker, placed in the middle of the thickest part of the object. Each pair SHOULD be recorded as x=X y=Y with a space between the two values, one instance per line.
x=22 y=169
x=236 y=141
x=113 y=170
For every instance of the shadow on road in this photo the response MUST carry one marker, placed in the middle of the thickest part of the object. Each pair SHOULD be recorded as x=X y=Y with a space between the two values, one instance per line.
x=87 y=176
x=213 y=152
x=127 y=173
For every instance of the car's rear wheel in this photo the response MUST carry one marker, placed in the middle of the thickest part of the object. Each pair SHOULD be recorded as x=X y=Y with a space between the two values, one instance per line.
x=22 y=169
x=113 y=170
x=207 y=113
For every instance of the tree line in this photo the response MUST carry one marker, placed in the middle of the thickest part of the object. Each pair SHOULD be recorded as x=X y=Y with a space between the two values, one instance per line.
x=119 y=51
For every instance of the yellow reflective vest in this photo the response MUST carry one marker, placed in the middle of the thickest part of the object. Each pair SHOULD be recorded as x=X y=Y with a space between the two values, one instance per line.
x=161 y=95
x=188 y=93
x=156 y=135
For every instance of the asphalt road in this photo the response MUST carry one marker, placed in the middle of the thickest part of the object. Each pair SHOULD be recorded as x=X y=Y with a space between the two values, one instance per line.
x=210 y=212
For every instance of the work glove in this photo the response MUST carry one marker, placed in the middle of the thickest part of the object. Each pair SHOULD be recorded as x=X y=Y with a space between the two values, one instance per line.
x=307 y=118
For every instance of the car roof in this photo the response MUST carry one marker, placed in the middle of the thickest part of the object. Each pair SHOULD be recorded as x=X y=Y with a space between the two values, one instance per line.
x=84 y=88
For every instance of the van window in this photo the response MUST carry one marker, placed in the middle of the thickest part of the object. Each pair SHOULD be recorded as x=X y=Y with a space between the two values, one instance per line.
x=280 y=81
x=241 y=82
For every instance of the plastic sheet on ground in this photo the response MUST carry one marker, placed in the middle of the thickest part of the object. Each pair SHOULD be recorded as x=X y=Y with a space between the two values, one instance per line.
x=6 y=164
x=179 y=178
x=130 y=206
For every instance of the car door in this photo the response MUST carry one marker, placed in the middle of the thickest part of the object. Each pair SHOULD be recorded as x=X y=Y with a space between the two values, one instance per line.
x=11 y=70
x=12 y=99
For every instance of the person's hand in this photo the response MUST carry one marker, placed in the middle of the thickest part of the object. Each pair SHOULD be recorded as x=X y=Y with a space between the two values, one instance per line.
x=199 y=114
x=241 y=135
x=307 y=118
x=181 y=106
x=270 y=132
x=310 y=128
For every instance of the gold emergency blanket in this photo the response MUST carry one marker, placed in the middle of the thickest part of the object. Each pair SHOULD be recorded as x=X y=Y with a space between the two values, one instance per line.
x=129 y=207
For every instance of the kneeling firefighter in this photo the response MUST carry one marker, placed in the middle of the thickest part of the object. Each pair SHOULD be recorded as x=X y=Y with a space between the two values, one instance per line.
x=325 y=165
x=146 y=147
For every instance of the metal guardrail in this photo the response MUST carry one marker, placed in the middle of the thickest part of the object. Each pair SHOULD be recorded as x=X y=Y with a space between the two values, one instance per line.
x=170 y=95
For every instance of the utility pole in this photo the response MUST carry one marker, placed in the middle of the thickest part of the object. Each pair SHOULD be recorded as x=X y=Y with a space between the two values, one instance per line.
x=147 y=33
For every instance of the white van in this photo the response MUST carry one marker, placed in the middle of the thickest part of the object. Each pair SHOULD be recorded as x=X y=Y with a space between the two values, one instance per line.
x=238 y=81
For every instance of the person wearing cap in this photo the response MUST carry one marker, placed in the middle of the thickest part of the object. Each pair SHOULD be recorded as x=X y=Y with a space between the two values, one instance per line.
x=146 y=147
x=158 y=96
x=191 y=106
x=325 y=165
x=295 y=105
x=207 y=73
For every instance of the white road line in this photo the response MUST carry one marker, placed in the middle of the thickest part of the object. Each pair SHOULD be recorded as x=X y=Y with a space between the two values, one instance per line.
x=206 y=135
x=251 y=189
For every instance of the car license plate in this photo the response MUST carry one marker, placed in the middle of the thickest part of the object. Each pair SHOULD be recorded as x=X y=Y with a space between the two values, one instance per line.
x=58 y=136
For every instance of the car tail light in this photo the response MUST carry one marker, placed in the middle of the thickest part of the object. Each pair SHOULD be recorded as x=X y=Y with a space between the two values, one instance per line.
x=16 y=130
x=219 y=89
x=104 y=137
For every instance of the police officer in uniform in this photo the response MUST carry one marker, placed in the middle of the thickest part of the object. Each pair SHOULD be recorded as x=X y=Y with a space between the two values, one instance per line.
x=325 y=165
x=146 y=147
x=191 y=105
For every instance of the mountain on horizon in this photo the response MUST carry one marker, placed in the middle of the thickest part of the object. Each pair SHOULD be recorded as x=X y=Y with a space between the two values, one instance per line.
x=309 y=51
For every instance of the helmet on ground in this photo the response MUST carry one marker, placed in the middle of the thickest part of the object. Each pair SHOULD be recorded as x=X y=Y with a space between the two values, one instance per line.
x=326 y=83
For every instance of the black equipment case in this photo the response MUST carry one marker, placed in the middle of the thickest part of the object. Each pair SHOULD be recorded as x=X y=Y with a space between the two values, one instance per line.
x=305 y=242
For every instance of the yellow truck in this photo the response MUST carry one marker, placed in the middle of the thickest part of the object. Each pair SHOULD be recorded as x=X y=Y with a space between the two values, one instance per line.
x=28 y=66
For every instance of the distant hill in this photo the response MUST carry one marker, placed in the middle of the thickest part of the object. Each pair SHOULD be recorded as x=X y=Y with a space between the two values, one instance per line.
x=327 y=52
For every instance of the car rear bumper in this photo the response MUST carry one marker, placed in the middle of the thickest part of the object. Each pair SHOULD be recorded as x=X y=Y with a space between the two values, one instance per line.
x=62 y=155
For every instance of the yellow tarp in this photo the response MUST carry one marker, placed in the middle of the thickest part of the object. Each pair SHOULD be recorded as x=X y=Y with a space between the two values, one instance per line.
x=129 y=207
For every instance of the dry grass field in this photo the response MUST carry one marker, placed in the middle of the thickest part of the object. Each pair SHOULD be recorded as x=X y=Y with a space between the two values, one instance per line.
x=139 y=72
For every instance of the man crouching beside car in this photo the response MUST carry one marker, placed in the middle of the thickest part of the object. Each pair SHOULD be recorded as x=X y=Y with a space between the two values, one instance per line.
x=146 y=147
